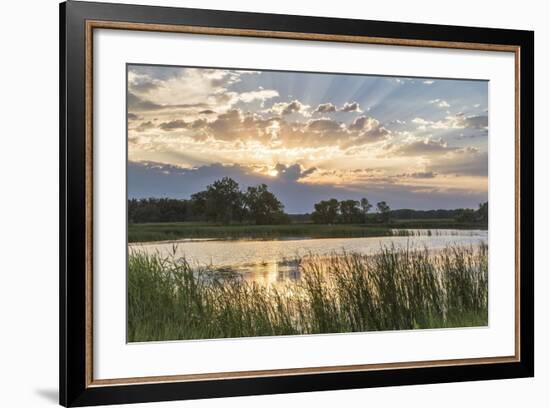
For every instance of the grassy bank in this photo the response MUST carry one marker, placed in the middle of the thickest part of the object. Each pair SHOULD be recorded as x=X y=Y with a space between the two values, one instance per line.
x=173 y=231
x=347 y=292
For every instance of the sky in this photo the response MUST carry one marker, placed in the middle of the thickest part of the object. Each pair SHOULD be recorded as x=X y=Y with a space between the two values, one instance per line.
x=416 y=143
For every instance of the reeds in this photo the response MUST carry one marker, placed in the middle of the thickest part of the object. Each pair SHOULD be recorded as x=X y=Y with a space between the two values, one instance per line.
x=396 y=289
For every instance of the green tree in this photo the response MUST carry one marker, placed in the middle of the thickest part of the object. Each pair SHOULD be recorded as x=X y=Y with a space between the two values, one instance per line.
x=158 y=210
x=365 y=208
x=222 y=201
x=326 y=212
x=263 y=207
x=483 y=212
x=466 y=215
x=350 y=212
x=198 y=203
x=384 y=212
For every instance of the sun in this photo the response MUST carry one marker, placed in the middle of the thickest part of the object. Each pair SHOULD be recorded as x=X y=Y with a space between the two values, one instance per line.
x=272 y=173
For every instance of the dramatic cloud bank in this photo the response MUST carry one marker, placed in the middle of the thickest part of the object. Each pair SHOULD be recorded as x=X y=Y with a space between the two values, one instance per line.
x=417 y=143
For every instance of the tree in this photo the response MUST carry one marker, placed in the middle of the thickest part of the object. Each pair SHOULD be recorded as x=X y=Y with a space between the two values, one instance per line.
x=483 y=212
x=158 y=210
x=198 y=203
x=365 y=208
x=350 y=212
x=222 y=201
x=466 y=215
x=263 y=207
x=383 y=212
x=470 y=216
x=326 y=212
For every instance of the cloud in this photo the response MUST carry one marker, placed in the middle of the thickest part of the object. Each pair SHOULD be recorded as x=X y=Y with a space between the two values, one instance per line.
x=292 y=172
x=462 y=162
x=227 y=126
x=419 y=175
x=324 y=125
x=144 y=126
x=364 y=123
x=351 y=107
x=439 y=158
x=369 y=128
x=474 y=135
x=209 y=113
x=162 y=180
x=456 y=121
x=142 y=83
x=261 y=95
x=234 y=125
x=188 y=88
x=325 y=108
x=286 y=108
x=328 y=132
x=243 y=127
x=329 y=108
x=427 y=146
x=461 y=121
x=440 y=103
x=173 y=125
x=421 y=121
x=476 y=122
x=136 y=103
x=177 y=85
x=218 y=122
x=153 y=179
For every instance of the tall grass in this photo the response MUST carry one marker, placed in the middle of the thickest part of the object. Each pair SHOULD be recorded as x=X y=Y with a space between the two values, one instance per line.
x=396 y=289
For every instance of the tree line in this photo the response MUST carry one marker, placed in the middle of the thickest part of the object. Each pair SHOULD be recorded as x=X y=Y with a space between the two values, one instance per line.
x=348 y=211
x=224 y=202
x=357 y=211
x=467 y=215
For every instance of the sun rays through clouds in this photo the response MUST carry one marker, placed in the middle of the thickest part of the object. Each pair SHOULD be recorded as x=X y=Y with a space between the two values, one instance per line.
x=417 y=142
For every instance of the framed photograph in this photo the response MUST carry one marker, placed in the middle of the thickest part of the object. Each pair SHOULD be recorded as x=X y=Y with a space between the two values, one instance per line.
x=257 y=203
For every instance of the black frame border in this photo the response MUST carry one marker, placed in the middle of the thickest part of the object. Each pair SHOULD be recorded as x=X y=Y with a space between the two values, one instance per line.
x=73 y=390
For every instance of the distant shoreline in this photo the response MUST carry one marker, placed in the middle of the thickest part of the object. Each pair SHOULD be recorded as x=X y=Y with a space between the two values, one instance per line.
x=176 y=232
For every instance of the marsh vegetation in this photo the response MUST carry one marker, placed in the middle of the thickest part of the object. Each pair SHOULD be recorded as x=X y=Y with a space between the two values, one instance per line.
x=395 y=288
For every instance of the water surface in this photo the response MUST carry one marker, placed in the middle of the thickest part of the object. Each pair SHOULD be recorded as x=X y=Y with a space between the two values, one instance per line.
x=273 y=261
